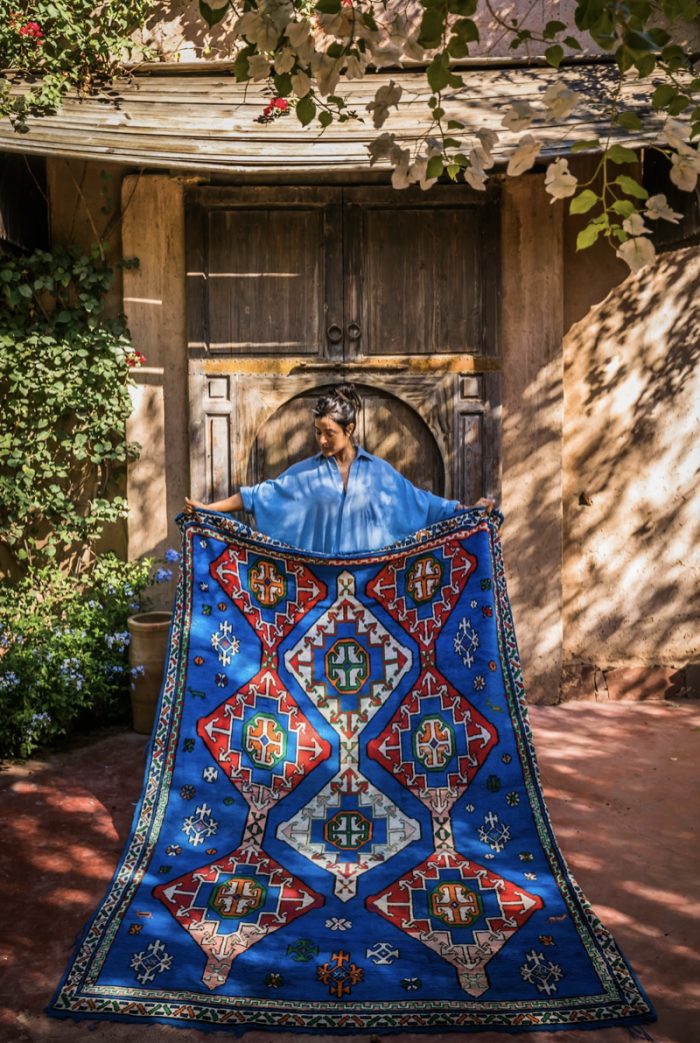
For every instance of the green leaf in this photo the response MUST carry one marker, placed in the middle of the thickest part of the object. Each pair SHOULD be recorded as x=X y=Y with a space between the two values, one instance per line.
x=328 y=6
x=645 y=65
x=438 y=72
x=663 y=94
x=451 y=143
x=466 y=29
x=283 y=84
x=625 y=207
x=584 y=145
x=306 y=110
x=551 y=29
x=435 y=167
x=432 y=27
x=453 y=170
x=336 y=50
x=678 y=105
x=583 y=202
x=620 y=154
x=325 y=119
x=631 y=187
x=454 y=125
x=629 y=120
x=212 y=15
x=554 y=55
x=464 y=8
x=572 y=42
x=674 y=51
x=240 y=66
x=457 y=48
x=587 y=236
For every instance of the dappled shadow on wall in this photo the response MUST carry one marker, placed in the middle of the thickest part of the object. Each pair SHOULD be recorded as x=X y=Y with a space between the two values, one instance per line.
x=631 y=464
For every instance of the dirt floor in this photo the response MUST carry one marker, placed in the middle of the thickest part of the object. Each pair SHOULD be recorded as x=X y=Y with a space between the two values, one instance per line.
x=622 y=783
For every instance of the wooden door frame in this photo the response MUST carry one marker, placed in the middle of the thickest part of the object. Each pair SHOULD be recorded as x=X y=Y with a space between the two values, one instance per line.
x=455 y=395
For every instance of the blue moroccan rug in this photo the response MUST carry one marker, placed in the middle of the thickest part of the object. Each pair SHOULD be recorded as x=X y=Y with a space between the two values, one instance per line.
x=342 y=827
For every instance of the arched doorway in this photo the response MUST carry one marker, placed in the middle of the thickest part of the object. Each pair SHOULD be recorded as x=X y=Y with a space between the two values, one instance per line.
x=387 y=427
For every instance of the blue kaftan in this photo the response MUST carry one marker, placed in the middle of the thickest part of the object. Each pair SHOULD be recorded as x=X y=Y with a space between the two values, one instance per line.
x=308 y=507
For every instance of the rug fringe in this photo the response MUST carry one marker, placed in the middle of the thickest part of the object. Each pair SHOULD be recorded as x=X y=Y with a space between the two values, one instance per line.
x=637 y=1032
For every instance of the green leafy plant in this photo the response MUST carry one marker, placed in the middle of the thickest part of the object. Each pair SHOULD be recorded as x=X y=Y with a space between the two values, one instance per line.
x=64 y=388
x=72 y=44
x=64 y=648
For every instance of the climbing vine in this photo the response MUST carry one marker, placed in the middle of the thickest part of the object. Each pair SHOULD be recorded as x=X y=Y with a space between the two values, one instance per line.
x=73 y=45
x=64 y=394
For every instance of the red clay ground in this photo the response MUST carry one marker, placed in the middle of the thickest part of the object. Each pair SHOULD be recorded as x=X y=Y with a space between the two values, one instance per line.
x=623 y=787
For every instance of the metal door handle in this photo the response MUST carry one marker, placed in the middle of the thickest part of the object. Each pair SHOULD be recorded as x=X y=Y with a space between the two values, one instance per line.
x=334 y=332
x=354 y=331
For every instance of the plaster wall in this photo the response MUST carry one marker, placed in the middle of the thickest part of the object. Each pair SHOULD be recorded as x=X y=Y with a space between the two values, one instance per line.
x=532 y=323
x=154 y=303
x=75 y=207
x=632 y=420
x=178 y=32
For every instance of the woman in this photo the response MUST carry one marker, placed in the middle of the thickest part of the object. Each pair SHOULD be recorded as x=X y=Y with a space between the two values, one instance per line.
x=343 y=500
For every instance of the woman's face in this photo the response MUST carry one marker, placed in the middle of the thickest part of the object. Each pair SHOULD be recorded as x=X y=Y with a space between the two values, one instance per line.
x=330 y=436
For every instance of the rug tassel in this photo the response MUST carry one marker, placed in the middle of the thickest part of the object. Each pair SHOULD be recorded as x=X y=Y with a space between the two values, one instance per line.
x=637 y=1032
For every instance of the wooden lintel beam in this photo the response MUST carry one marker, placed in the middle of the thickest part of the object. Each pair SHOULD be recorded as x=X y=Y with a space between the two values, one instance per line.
x=285 y=366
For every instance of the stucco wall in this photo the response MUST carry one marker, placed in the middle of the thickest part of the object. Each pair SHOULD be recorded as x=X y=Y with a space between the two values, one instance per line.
x=632 y=446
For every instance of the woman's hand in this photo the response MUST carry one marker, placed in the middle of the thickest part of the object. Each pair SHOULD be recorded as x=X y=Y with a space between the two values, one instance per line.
x=486 y=505
x=192 y=505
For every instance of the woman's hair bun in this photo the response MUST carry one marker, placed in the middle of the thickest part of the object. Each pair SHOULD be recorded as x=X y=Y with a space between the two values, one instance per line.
x=341 y=404
x=348 y=392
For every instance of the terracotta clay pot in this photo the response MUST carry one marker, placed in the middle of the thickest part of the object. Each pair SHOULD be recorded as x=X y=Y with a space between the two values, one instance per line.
x=148 y=648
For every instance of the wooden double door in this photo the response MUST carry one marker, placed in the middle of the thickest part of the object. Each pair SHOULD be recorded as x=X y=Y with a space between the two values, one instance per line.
x=293 y=289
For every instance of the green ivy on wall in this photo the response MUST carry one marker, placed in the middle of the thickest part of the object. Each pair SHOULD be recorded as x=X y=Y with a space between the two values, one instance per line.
x=64 y=396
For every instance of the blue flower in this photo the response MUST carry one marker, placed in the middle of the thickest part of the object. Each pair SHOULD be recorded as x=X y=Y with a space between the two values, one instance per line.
x=163 y=575
x=172 y=555
x=134 y=606
x=138 y=671
x=121 y=640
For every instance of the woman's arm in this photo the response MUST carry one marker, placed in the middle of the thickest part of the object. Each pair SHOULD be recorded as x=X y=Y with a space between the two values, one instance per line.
x=233 y=503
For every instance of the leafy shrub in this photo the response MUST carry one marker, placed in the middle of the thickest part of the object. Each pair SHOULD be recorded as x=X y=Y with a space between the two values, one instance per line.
x=64 y=648
x=64 y=385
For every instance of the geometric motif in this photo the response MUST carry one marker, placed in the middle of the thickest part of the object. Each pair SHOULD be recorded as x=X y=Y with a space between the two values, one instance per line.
x=540 y=973
x=200 y=826
x=447 y=893
x=340 y=974
x=234 y=903
x=466 y=642
x=348 y=664
x=494 y=833
x=153 y=960
x=225 y=646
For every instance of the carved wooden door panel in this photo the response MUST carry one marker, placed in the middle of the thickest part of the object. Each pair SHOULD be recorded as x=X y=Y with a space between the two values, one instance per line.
x=292 y=289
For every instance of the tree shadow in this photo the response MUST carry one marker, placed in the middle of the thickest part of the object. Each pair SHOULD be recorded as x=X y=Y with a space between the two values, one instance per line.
x=632 y=385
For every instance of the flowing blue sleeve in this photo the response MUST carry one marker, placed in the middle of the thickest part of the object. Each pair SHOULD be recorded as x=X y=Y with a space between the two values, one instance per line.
x=279 y=505
x=405 y=507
